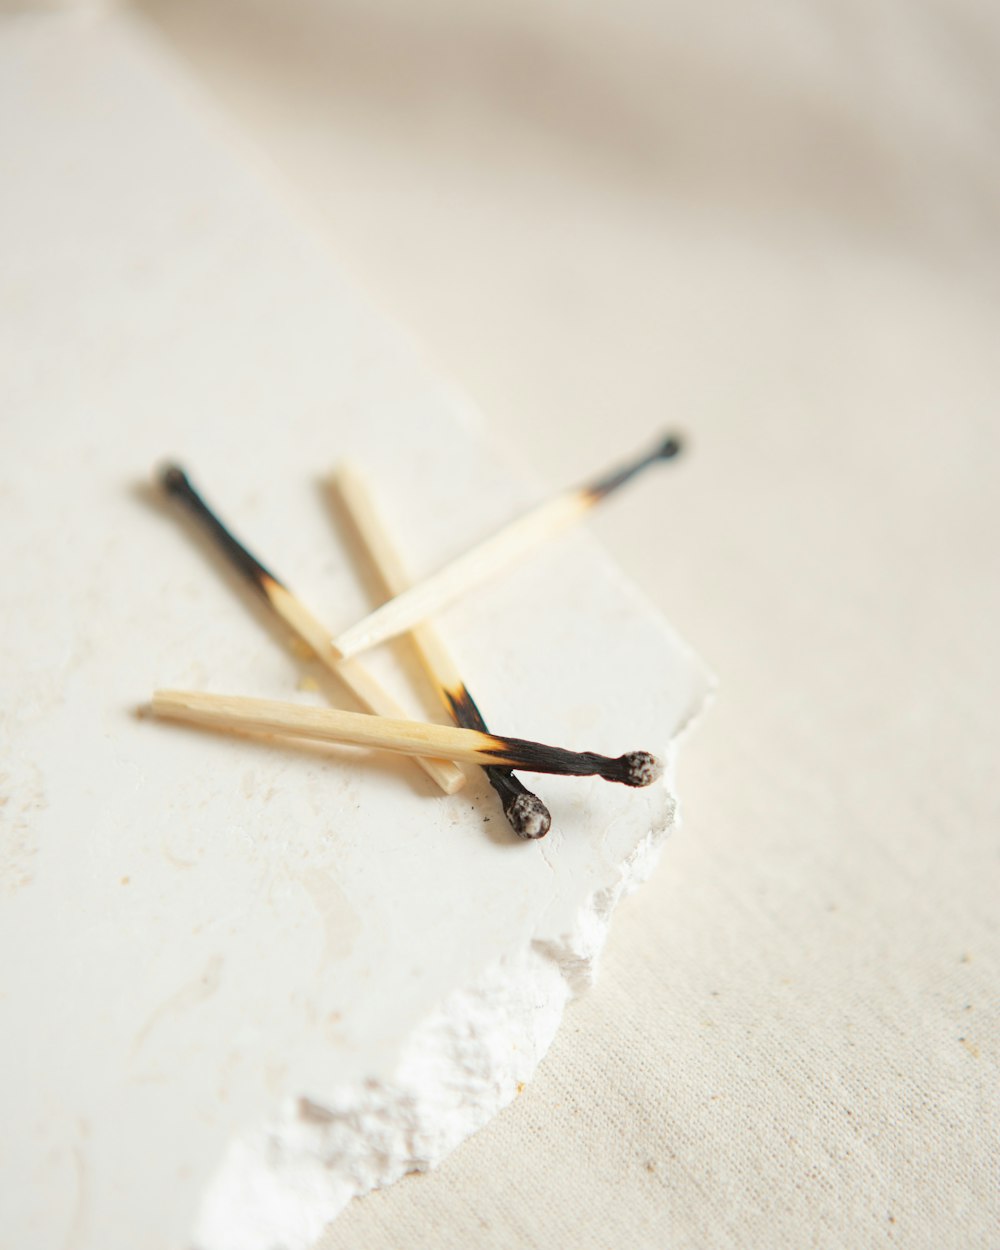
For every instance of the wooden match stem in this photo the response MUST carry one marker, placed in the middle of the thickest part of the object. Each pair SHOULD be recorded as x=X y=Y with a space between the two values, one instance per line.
x=366 y=689
x=406 y=737
x=505 y=547
x=527 y=814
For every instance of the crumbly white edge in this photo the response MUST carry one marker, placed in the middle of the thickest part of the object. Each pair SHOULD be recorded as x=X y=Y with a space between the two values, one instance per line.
x=279 y=1185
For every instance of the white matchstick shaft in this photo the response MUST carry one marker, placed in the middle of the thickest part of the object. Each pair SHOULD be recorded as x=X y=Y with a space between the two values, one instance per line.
x=449 y=583
x=505 y=547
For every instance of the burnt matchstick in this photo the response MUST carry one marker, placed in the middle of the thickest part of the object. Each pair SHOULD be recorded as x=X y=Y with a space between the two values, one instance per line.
x=427 y=597
x=299 y=619
x=408 y=737
x=526 y=813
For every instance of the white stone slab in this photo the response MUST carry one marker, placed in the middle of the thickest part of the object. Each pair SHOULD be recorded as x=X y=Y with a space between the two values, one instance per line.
x=241 y=982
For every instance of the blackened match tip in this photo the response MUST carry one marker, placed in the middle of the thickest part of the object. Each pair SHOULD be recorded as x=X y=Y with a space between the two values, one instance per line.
x=528 y=816
x=640 y=768
x=671 y=446
x=173 y=479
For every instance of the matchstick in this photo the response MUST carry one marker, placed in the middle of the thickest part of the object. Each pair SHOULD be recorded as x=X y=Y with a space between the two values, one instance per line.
x=469 y=746
x=299 y=619
x=526 y=813
x=427 y=597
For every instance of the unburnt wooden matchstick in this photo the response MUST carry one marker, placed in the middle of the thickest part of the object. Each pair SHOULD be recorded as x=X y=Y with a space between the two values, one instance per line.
x=299 y=619
x=526 y=813
x=470 y=746
x=507 y=545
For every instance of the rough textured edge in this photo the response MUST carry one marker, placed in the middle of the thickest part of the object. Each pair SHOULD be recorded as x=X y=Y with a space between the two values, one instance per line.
x=279 y=1185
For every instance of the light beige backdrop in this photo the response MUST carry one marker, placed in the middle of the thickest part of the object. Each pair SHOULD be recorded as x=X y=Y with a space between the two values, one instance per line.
x=776 y=226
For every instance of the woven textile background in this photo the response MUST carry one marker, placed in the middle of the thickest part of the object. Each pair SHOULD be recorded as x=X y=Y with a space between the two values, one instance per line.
x=779 y=228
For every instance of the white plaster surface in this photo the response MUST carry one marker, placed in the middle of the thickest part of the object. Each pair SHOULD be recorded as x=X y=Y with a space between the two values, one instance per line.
x=297 y=972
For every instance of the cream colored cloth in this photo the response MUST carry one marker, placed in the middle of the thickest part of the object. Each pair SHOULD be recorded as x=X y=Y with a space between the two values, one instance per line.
x=777 y=226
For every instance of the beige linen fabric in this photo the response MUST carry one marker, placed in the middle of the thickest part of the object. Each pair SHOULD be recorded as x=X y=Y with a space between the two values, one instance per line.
x=777 y=226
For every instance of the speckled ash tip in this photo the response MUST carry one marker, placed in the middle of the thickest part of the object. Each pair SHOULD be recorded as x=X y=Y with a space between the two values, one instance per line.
x=528 y=816
x=641 y=768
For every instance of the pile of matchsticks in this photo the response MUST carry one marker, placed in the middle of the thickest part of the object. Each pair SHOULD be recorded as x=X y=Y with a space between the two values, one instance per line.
x=438 y=748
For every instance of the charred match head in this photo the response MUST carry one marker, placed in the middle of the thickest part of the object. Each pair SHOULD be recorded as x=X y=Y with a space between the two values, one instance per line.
x=670 y=447
x=666 y=449
x=178 y=485
x=528 y=816
x=635 y=769
x=174 y=480
x=639 y=768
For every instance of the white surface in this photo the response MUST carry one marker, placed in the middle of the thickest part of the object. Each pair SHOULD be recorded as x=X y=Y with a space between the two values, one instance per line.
x=201 y=932
x=780 y=228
